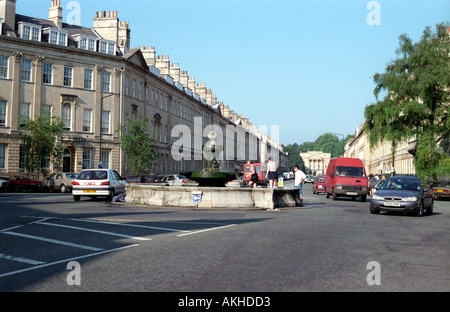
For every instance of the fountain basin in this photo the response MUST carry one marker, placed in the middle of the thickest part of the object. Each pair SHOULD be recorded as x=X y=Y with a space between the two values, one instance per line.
x=212 y=197
x=210 y=178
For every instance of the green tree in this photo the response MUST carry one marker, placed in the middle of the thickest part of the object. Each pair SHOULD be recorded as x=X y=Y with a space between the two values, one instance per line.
x=41 y=143
x=294 y=157
x=415 y=100
x=138 y=146
x=329 y=143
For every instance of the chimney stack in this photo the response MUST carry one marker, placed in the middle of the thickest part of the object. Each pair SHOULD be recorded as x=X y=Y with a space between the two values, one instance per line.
x=8 y=16
x=55 y=13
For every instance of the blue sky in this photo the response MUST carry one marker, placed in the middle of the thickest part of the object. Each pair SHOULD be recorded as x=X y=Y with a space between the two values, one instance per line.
x=305 y=65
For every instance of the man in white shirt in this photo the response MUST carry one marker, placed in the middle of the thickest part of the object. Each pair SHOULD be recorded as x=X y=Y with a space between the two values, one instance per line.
x=299 y=178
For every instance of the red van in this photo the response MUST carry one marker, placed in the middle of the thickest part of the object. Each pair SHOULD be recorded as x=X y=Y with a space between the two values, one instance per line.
x=346 y=177
x=260 y=170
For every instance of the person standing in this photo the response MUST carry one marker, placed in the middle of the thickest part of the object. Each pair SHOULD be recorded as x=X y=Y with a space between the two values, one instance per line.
x=371 y=184
x=253 y=175
x=299 y=177
x=271 y=174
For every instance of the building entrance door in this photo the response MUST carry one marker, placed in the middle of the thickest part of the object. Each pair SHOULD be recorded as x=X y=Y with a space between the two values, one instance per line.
x=67 y=160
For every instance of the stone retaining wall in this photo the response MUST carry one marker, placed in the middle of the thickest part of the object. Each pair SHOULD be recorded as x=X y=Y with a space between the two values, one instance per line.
x=212 y=197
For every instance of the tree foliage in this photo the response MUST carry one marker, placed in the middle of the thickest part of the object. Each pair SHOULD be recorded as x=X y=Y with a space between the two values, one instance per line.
x=138 y=146
x=327 y=143
x=41 y=143
x=294 y=158
x=415 y=97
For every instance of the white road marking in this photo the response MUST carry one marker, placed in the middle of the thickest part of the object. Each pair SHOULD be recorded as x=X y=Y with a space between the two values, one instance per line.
x=131 y=225
x=206 y=230
x=66 y=260
x=19 y=226
x=19 y=259
x=94 y=231
x=54 y=241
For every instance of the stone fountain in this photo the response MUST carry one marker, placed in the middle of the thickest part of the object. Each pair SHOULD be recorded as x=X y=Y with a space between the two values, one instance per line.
x=211 y=193
x=211 y=175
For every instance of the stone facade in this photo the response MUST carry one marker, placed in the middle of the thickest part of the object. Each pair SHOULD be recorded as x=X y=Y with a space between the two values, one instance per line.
x=378 y=160
x=316 y=162
x=94 y=82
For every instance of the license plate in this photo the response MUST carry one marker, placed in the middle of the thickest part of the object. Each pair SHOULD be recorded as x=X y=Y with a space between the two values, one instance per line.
x=392 y=204
x=440 y=191
x=89 y=191
x=352 y=193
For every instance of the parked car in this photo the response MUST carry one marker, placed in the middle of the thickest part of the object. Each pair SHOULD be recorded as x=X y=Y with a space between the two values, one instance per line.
x=309 y=179
x=237 y=182
x=288 y=175
x=59 y=181
x=3 y=184
x=441 y=190
x=346 y=177
x=404 y=194
x=319 y=185
x=178 y=180
x=98 y=182
x=17 y=184
x=136 y=180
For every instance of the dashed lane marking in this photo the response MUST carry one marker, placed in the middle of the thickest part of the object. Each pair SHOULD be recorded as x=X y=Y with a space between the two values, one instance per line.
x=94 y=231
x=54 y=241
x=19 y=259
x=66 y=260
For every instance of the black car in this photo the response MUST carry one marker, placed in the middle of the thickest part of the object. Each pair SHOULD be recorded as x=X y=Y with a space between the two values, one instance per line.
x=403 y=193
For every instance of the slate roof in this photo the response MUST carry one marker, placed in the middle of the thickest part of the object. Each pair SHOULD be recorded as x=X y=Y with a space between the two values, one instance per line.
x=72 y=30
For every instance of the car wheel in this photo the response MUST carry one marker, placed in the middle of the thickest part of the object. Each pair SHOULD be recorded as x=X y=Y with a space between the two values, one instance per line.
x=76 y=197
x=430 y=209
x=364 y=198
x=63 y=188
x=334 y=196
x=374 y=211
x=420 y=211
x=327 y=194
x=111 y=195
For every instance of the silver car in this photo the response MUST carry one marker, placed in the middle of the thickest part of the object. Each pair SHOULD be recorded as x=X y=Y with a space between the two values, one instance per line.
x=98 y=182
x=178 y=180
x=59 y=181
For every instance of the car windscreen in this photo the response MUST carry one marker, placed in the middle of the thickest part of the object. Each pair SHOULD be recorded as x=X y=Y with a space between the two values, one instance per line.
x=346 y=171
x=257 y=169
x=401 y=184
x=71 y=175
x=93 y=175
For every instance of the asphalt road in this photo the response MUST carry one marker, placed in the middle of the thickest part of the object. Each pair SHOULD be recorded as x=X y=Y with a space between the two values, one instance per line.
x=326 y=245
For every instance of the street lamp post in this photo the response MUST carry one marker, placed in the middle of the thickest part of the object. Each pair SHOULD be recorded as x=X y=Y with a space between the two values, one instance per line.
x=342 y=139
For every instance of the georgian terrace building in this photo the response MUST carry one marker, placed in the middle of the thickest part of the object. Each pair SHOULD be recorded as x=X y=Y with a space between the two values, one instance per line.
x=93 y=81
x=378 y=160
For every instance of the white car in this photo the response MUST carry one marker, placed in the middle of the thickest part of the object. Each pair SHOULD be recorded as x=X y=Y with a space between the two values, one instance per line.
x=178 y=180
x=98 y=182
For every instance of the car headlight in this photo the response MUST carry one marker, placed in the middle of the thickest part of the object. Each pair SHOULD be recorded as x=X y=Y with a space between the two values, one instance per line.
x=339 y=187
x=376 y=197
x=411 y=198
